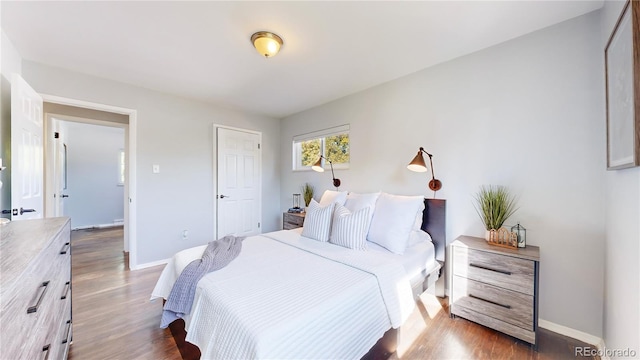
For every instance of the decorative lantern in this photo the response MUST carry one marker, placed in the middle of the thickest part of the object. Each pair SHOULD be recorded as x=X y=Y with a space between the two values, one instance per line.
x=521 y=232
x=296 y=201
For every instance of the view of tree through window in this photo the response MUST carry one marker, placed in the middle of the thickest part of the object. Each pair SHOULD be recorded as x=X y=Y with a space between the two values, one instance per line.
x=310 y=152
x=336 y=148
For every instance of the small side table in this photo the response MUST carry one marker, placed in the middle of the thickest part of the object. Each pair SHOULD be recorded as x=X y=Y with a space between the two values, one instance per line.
x=292 y=220
x=496 y=287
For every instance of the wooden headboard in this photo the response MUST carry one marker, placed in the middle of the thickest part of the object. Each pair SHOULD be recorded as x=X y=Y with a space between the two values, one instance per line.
x=434 y=222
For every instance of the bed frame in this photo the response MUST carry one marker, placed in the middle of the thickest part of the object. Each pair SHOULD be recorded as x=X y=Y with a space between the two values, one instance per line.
x=433 y=222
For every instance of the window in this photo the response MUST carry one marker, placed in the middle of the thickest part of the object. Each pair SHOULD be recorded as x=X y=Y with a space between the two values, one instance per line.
x=121 y=167
x=332 y=143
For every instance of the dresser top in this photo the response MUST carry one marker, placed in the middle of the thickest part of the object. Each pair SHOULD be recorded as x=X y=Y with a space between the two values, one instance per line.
x=530 y=252
x=21 y=241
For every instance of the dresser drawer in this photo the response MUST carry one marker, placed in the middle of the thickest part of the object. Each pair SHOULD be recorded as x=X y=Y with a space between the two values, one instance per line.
x=60 y=336
x=500 y=270
x=32 y=307
x=482 y=319
x=27 y=312
x=505 y=305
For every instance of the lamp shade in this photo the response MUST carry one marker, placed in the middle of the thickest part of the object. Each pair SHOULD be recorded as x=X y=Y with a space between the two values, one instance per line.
x=417 y=164
x=266 y=43
x=318 y=165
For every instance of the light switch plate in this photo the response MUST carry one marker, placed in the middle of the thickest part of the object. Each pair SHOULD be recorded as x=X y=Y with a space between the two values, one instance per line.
x=156 y=169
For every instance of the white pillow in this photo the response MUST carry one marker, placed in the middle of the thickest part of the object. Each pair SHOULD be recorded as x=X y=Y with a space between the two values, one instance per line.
x=331 y=196
x=317 y=222
x=356 y=202
x=417 y=225
x=418 y=236
x=349 y=229
x=393 y=221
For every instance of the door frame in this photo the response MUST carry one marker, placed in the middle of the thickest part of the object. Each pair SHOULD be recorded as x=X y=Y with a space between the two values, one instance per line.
x=215 y=173
x=130 y=188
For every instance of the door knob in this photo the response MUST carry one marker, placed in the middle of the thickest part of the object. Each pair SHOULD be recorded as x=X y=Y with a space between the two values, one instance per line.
x=223 y=196
x=64 y=196
x=22 y=211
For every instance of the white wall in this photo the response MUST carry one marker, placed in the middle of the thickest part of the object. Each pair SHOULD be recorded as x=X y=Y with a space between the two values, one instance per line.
x=10 y=62
x=175 y=133
x=527 y=114
x=95 y=198
x=622 y=272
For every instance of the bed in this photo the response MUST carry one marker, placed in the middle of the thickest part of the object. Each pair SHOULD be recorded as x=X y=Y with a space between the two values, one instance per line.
x=290 y=296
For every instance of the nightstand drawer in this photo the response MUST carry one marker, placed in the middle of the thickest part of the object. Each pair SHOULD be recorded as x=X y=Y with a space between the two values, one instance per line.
x=292 y=220
x=482 y=319
x=505 y=305
x=500 y=270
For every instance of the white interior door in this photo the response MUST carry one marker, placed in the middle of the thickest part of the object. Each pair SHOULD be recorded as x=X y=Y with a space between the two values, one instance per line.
x=27 y=173
x=239 y=182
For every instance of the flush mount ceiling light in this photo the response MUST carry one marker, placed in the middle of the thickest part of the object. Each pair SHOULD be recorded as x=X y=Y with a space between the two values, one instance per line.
x=266 y=43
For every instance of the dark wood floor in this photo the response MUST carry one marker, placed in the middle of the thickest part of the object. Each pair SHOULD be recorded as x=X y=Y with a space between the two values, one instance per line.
x=114 y=319
x=112 y=315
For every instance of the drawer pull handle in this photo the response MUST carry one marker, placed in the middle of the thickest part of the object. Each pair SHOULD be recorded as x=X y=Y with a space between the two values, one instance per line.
x=67 y=332
x=46 y=349
x=42 y=289
x=490 y=302
x=64 y=248
x=67 y=286
x=490 y=269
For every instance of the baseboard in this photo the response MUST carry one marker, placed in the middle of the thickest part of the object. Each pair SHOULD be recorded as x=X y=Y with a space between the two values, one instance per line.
x=100 y=226
x=151 y=264
x=572 y=333
x=602 y=349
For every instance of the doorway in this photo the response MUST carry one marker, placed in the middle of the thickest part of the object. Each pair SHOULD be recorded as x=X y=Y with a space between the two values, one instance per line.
x=89 y=173
x=78 y=110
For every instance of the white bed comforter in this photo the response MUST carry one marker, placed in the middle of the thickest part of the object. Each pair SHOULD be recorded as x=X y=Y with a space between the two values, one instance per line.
x=287 y=296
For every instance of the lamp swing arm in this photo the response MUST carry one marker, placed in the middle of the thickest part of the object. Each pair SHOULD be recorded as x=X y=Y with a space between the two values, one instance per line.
x=320 y=168
x=433 y=176
x=330 y=165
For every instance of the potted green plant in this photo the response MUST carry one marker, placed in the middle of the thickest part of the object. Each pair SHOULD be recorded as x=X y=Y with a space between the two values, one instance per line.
x=307 y=193
x=494 y=204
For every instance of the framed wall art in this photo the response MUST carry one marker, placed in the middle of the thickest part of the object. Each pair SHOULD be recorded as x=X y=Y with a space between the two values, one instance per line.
x=622 y=70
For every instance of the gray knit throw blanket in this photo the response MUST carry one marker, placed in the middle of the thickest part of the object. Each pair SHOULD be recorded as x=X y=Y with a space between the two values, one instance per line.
x=218 y=254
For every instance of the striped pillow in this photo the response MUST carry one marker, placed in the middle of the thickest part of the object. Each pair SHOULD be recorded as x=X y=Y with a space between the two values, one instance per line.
x=350 y=229
x=317 y=222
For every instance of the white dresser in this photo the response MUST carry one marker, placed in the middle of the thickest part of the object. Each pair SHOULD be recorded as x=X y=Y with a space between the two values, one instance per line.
x=35 y=289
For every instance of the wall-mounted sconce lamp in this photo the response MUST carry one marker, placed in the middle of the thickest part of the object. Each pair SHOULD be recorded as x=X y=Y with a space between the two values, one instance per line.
x=418 y=165
x=318 y=167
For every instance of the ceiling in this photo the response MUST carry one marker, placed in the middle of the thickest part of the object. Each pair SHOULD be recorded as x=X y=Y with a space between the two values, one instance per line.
x=331 y=49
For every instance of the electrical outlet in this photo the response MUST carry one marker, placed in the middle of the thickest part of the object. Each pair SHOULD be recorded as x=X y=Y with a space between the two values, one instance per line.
x=185 y=235
x=156 y=169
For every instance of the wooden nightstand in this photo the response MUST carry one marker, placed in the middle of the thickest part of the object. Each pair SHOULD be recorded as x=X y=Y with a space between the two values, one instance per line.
x=292 y=220
x=496 y=287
